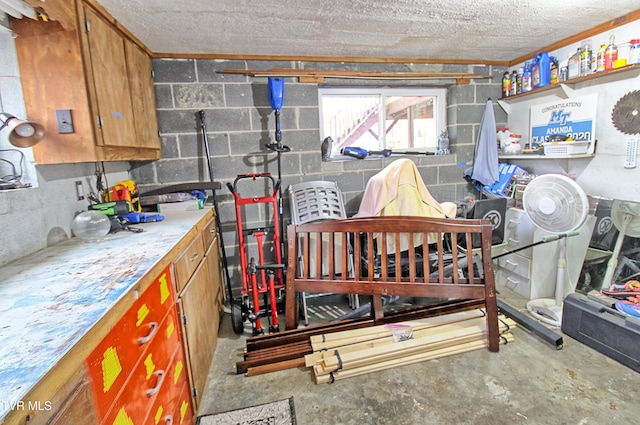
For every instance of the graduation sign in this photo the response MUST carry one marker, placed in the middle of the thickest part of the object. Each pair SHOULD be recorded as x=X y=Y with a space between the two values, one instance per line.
x=575 y=117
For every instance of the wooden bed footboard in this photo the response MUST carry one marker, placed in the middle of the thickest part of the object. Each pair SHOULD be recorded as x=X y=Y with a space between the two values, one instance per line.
x=361 y=256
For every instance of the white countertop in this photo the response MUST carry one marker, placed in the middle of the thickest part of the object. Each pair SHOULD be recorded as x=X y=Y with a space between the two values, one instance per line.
x=50 y=299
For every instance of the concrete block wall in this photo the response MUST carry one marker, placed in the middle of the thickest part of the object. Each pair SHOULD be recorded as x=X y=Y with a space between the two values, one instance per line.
x=240 y=123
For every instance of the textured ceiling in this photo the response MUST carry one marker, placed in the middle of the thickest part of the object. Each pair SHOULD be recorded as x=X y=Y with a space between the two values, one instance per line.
x=487 y=30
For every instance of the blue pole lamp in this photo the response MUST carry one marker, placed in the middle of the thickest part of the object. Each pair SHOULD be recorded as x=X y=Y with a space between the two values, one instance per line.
x=22 y=134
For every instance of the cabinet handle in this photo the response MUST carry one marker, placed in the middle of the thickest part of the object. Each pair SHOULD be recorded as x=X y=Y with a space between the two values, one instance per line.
x=513 y=282
x=154 y=328
x=512 y=264
x=513 y=241
x=160 y=375
x=168 y=420
x=194 y=257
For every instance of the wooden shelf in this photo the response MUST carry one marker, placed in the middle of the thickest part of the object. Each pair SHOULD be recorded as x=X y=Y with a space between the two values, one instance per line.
x=547 y=157
x=318 y=75
x=565 y=89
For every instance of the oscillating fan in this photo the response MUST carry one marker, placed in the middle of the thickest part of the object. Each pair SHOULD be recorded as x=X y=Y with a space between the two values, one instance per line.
x=556 y=204
x=626 y=218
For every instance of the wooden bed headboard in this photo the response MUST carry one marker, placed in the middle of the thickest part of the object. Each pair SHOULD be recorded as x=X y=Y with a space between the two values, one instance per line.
x=440 y=273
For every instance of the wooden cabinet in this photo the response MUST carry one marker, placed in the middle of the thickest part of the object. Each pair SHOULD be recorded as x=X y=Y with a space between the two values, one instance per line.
x=200 y=303
x=130 y=365
x=71 y=404
x=137 y=370
x=91 y=68
x=77 y=408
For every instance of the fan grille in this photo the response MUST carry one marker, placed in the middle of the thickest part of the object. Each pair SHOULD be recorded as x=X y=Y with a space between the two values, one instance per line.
x=555 y=203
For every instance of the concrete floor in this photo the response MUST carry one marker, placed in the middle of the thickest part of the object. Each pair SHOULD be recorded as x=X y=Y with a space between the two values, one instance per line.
x=526 y=382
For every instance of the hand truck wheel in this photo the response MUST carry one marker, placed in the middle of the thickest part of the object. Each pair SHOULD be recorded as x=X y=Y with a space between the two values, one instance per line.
x=237 y=317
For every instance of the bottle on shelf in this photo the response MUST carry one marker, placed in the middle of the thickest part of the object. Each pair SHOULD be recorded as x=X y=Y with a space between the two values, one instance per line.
x=519 y=80
x=553 y=70
x=610 y=53
x=526 y=77
x=573 y=67
x=506 y=84
x=585 y=58
x=540 y=70
x=634 y=51
x=600 y=58
x=514 y=83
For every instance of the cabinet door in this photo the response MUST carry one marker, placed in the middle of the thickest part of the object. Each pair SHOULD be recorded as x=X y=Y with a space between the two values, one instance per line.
x=143 y=98
x=187 y=262
x=77 y=408
x=110 y=79
x=214 y=259
x=200 y=318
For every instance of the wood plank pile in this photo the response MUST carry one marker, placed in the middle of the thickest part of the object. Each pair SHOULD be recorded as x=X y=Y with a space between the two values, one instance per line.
x=345 y=354
x=286 y=349
x=350 y=348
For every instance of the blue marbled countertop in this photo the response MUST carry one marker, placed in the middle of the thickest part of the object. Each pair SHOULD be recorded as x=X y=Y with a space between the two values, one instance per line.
x=50 y=299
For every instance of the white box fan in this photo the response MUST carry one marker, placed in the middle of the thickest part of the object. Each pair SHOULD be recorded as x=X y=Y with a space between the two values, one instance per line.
x=558 y=205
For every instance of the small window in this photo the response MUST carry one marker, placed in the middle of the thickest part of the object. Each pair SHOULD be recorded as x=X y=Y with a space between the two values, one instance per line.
x=384 y=118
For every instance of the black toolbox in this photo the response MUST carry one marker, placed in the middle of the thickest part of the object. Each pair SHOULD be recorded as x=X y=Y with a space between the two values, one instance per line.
x=604 y=329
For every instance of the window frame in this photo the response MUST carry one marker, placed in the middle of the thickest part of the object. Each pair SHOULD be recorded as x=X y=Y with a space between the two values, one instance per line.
x=440 y=109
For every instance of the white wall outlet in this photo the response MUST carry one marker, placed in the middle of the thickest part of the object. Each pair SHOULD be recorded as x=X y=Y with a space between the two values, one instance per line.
x=79 y=190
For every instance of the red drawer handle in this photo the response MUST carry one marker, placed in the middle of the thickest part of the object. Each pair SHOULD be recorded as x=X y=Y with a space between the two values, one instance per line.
x=160 y=375
x=154 y=328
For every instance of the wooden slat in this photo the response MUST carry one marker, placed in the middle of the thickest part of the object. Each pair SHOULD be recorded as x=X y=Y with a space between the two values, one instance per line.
x=274 y=367
x=460 y=77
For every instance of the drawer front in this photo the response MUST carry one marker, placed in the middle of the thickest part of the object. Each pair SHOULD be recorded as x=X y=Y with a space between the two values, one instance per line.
x=187 y=262
x=209 y=233
x=148 y=377
x=516 y=264
x=111 y=362
x=183 y=414
x=515 y=282
x=168 y=400
x=518 y=230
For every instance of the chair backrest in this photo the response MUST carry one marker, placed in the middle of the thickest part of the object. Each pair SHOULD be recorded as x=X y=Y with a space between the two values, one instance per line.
x=315 y=201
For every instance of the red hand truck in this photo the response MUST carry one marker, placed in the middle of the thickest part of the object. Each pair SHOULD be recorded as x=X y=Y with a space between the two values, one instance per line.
x=258 y=278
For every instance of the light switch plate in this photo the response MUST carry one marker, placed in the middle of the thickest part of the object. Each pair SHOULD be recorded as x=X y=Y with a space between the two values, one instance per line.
x=64 y=121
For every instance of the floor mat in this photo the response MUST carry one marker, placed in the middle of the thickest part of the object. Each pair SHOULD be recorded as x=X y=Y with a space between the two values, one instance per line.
x=275 y=413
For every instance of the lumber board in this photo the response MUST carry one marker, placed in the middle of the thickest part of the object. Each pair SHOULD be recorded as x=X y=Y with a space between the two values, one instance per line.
x=302 y=334
x=460 y=77
x=243 y=366
x=277 y=348
x=411 y=313
x=444 y=352
x=442 y=337
x=321 y=356
x=336 y=339
x=275 y=367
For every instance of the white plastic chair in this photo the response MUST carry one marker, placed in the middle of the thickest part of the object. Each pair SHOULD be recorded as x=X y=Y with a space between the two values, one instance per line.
x=316 y=201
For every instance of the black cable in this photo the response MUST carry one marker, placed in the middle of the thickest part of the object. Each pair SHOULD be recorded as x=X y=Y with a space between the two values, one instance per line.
x=12 y=179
